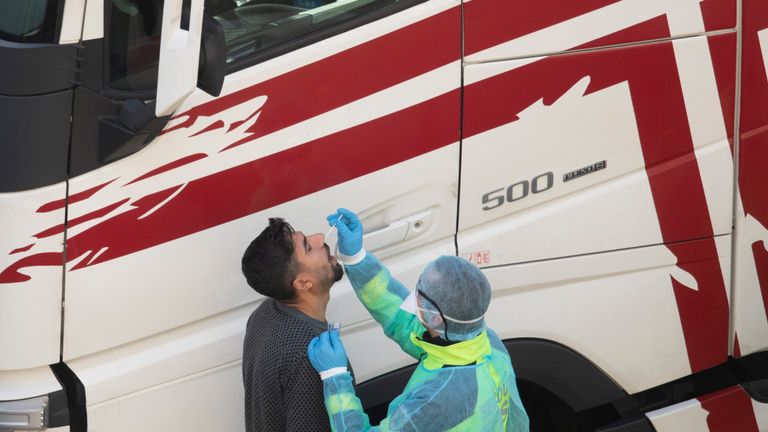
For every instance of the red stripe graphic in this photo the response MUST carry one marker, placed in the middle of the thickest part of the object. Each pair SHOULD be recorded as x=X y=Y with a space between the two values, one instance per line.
x=703 y=312
x=753 y=177
x=266 y=182
x=491 y=22
x=294 y=97
x=730 y=410
x=11 y=274
x=675 y=180
x=369 y=68
x=81 y=196
x=213 y=126
x=655 y=28
x=753 y=129
x=722 y=49
x=171 y=165
x=236 y=124
x=345 y=77
x=22 y=249
x=718 y=14
x=761 y=263
x=58 y=229
x=281 y=177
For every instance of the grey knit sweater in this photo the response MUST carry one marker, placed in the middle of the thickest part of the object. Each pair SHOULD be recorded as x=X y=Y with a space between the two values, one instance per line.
x=282 y=390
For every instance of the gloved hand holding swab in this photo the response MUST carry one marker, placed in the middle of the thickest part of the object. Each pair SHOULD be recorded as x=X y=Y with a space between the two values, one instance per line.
x=333 y=226
x=350 y=231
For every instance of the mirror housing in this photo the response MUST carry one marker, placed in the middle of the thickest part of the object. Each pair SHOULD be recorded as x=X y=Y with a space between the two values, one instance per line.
x=179 y=54
x=213 y=57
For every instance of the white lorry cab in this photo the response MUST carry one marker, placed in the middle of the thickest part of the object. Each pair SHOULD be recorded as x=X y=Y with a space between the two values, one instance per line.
x=603 y=161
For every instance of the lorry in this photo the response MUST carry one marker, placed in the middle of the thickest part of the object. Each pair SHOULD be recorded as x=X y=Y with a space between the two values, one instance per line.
x=602 y=161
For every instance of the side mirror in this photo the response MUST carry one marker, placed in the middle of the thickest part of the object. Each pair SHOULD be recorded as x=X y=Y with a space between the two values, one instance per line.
x=179 y=54
x=213 y=57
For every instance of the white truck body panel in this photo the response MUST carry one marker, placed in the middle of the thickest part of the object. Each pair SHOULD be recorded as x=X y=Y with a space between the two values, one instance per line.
x=628 y=264
x=35 y=290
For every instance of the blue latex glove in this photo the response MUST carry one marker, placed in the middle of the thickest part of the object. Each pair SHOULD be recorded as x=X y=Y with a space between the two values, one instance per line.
x=326 y=353
x=350 y=231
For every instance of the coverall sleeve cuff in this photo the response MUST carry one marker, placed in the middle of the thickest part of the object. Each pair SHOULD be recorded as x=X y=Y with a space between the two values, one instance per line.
x=332 y=372
x=354 y=259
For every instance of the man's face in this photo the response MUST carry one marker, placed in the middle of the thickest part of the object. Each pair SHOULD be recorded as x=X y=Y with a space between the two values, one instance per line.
x=314 y=257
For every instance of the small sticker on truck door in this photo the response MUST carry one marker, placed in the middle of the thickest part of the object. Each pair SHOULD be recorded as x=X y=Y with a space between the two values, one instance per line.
x=479 y=258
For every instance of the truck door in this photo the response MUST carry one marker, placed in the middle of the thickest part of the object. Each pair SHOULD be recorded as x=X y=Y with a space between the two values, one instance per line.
x=325 y=104
x=596 y=181
x=751 y=213
x=36 y=84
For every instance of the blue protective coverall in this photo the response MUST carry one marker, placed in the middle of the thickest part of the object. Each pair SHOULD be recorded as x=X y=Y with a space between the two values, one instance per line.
x=466 y=386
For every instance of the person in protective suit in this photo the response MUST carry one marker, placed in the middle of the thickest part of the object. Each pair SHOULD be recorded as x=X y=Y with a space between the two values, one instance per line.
x=464 y=380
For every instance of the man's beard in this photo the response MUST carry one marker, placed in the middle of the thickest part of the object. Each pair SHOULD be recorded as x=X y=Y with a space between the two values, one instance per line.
x=338 y=272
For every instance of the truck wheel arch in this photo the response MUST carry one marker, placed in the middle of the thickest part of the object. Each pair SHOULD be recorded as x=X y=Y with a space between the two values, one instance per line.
x=563 y=372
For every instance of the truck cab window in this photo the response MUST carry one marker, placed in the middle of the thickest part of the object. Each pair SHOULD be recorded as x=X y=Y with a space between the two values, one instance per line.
x=134 y=43
x=250 y=27
x=29 y=20
x=254 y=26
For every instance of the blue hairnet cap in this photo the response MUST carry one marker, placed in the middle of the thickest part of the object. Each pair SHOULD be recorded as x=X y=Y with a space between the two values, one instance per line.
x=458 y=289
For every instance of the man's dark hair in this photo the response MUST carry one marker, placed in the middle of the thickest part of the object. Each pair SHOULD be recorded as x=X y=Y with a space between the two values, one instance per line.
x=268 y=264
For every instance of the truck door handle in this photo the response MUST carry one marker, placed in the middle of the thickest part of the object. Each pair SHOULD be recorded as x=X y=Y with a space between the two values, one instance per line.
x=398 y=231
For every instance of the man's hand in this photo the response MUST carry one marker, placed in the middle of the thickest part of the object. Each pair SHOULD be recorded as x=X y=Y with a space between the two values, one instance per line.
x=350 y=231
x=327 y=354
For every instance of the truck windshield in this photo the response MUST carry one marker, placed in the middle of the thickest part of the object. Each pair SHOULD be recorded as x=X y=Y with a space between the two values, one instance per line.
x=29 y=21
